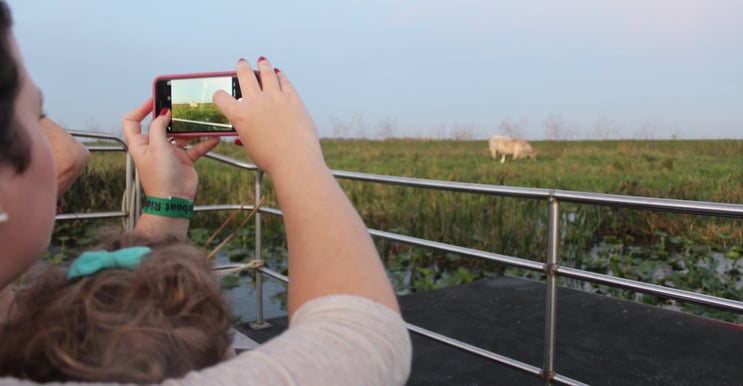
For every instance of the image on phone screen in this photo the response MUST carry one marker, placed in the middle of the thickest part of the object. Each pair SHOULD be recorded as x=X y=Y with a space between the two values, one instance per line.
x=190 y=103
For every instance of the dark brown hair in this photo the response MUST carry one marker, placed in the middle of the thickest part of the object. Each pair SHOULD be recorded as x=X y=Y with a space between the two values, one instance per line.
x=15 y=146
x=160 y=321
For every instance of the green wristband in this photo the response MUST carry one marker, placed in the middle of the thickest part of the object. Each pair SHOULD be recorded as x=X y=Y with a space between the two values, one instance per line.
x=168 y=207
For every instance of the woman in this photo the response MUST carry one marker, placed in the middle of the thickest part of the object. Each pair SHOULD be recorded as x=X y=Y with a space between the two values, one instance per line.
x=345 y=326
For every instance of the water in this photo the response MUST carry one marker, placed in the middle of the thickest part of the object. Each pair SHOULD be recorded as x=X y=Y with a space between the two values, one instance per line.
x=242 y=297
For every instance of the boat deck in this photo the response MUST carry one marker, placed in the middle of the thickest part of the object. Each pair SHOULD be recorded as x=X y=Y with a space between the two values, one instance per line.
x=600 y=340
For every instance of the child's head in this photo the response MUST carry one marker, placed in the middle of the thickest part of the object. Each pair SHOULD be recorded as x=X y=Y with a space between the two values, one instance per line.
x=159 y=320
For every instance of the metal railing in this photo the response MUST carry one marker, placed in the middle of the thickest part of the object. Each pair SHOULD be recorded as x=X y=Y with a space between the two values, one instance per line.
x=550 y=267
x=130 y=200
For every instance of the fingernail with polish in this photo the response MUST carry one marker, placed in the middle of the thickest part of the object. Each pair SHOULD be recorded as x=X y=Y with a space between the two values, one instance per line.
x=241 y=60
x=276 y=70
x=164 y=111
x=262 y=58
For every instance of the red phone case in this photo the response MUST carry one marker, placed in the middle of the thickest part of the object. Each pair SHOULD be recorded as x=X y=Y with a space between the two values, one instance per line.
x=155 y=113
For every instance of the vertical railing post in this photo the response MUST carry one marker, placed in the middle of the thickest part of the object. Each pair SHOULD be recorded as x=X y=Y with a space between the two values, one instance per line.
x=131 y=194
x=550 y=267
x=259 y=321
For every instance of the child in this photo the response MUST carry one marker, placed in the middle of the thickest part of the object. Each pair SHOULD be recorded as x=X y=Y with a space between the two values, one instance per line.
x=128 y=313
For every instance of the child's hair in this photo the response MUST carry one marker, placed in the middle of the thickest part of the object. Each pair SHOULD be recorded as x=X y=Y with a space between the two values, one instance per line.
x=158 y=321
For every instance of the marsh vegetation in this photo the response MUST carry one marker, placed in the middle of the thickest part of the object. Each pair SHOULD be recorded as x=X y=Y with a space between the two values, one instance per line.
x=696 y=253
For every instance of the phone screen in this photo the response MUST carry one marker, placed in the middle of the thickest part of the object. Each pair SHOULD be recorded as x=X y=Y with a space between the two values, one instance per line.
x=190 y=102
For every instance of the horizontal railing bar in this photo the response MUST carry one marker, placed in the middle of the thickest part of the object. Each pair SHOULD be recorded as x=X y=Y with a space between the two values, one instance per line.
x=231 y=161
x=530 y=369
x=671 y=293
x=271 y=211
x=453 y=342
x=198 y=208
x=96 y=215
x=465 y=187
x=568 y=381
x=634 y=202
x=533 y=370
x=515 y=261
x=274 y=274
x=660 y=204
x=90 y=134
x=218 y=207
x=456 y=343
x=112 y=148
x=212 y=208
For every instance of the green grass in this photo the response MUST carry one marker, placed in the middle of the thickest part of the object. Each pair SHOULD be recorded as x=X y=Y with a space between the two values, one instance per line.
x=690 y=170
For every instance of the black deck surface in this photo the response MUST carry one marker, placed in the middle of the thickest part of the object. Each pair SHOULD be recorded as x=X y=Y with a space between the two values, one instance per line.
x=600 y=340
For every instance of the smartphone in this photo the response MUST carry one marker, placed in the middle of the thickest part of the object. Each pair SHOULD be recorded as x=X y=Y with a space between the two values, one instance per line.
x=189 y=98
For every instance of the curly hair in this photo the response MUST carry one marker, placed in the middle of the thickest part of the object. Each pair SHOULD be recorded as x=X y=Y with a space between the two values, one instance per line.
x=160 y=321
x=15 y=145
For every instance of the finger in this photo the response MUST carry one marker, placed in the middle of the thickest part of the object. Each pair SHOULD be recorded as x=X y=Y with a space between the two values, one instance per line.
x=268 y=76
x=131 y=122
x=246 y=77
x=225 y=103
x=258 y=78
x=198 y=150
x=159 y=128
x=284 y=83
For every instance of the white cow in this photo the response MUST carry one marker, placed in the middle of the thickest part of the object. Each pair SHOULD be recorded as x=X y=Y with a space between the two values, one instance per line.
x=516 y=147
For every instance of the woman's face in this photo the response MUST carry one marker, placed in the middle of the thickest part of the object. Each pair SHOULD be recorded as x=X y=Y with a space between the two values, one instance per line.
x=29 y=199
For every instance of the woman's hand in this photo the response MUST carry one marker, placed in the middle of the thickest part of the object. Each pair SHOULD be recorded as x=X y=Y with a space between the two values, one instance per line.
x=271 y=119
x=165 y=169
x=330 y=249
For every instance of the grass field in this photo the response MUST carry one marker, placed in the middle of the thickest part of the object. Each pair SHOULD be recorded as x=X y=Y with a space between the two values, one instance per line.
x=616 y=241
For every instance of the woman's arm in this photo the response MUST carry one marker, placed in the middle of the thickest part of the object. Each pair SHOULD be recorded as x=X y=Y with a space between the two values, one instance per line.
x=330 y=249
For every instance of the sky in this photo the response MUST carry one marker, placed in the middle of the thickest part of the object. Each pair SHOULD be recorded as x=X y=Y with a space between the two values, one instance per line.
x=198 y=90
x=464 y=69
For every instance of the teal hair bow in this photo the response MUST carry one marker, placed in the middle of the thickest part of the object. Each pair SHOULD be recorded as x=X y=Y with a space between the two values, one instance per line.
x=93 y=261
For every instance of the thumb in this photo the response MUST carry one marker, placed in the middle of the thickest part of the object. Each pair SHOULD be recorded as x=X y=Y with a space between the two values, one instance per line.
x=131 y=123
x=159 y=127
